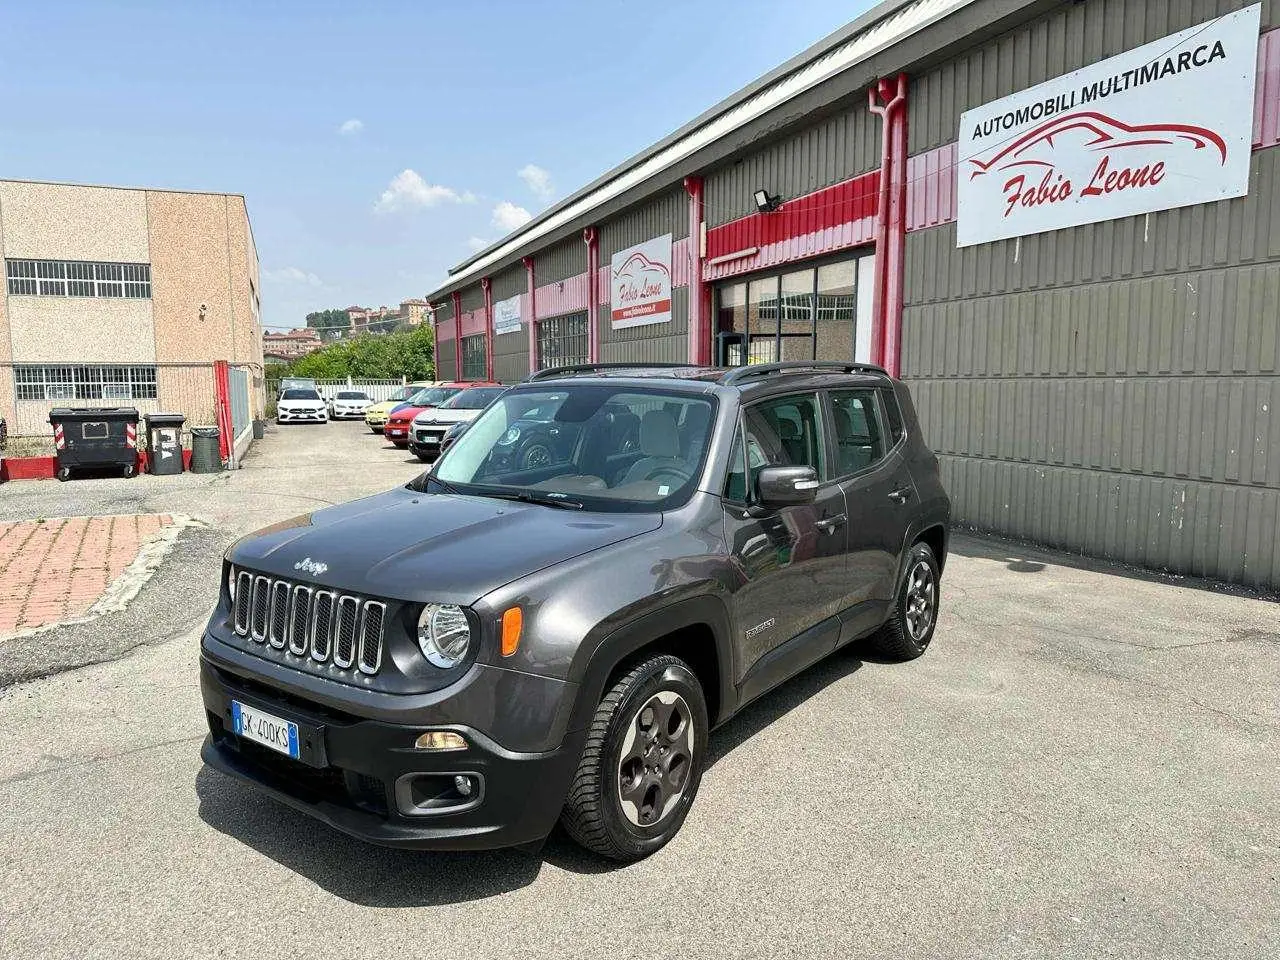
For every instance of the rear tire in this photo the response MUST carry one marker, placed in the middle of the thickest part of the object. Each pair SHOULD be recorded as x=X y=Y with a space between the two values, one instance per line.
x=642 y=762
x=64 y=474
x=907 y=632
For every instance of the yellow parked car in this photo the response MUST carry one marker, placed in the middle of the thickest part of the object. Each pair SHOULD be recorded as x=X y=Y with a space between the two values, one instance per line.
x=376 y=416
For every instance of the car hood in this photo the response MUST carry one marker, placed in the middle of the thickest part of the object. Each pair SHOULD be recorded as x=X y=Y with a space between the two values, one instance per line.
x=430 y=547
x=406 y=414
x=384 y=406
x=445 y=416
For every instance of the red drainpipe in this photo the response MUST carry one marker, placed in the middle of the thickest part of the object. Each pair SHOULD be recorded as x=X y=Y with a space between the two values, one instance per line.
x=591 y=237
x=533 y=313
x=699 y=302
x=457 y=335
x=486 y=285
x=888 y=101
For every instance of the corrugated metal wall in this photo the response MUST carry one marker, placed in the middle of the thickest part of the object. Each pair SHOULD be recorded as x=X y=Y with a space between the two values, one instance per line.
x=472 y=298
x=445 y=368
x=564 y=259
x=1073 y=36
x=1112 y=388
x=841 y=146
x=664 y=342
x=511 y=350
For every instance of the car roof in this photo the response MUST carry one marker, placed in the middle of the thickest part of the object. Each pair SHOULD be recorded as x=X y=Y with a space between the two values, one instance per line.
x=749 y=380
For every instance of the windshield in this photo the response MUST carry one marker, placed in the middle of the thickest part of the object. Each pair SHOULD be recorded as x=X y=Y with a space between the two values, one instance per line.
x=349 y=395
x=609 y=447
x=432 y=396
x=476 y=398
x=300 y=395
x=404 y=393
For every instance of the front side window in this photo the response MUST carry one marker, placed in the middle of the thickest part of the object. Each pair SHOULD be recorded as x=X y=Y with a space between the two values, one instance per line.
x=786 y=432
x=602 y=446
x=859 y=439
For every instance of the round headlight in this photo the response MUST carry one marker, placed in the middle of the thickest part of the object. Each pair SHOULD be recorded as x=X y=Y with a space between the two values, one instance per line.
x=444 y=634
x=510 y=437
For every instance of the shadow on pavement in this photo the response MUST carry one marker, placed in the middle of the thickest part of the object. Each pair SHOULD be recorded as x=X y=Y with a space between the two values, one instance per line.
x=382 y=877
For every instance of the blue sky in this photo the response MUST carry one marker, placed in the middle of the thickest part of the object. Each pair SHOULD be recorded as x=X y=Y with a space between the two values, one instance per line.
x=315 y=111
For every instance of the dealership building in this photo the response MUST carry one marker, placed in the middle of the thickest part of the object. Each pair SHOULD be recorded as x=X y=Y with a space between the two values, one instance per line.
x=128 y=297
x=1057 y=222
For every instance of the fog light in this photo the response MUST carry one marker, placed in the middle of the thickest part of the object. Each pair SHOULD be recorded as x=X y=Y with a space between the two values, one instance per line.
x=441 y=740
x=463 y=785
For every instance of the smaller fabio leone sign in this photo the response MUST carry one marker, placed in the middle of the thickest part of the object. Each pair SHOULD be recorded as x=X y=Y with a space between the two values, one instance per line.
x=640 y=282
x=506 y=316
x=1168 y=124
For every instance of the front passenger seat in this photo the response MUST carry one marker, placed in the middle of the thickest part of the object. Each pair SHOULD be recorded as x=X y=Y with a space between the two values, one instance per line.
x=660 y=444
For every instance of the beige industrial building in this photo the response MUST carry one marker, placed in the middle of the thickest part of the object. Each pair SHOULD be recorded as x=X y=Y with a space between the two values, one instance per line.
x=119 y=296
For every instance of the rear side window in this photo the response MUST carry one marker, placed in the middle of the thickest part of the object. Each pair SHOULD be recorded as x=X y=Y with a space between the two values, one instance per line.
x=893 y=413
x=860 y=442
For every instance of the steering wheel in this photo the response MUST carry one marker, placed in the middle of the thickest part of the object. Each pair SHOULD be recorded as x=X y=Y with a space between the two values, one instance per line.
x=680 y=476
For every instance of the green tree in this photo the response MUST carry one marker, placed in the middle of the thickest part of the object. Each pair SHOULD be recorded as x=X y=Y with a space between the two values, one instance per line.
x=369 y=356
x=330 y=324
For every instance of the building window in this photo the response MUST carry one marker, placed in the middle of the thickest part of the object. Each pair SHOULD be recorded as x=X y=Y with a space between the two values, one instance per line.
x=78 y=278
x=96 y=382
x=473 y=359
x=562 y=341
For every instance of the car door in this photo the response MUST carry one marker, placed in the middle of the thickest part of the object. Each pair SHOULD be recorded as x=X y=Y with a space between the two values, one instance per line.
x=790 y=560
x=880 y=498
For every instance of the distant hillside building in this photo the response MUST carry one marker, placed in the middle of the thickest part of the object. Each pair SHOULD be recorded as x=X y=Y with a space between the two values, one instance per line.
x=291 y=345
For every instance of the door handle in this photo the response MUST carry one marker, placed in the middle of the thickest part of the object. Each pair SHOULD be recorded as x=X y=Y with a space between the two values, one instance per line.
x=901 y=495
x=831 y=524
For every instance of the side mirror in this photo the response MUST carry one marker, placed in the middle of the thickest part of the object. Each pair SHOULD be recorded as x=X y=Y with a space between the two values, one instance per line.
x=786 y=486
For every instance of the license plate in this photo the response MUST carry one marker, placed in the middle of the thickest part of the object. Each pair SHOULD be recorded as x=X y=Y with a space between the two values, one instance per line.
x=395 y=432
x=260 y=727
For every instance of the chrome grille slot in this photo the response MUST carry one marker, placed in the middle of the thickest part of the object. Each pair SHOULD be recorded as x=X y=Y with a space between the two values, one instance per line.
x=321 y=625
x=344 y=636
x=299 y=620
x=371 y=624
x=278 y=628
x=243 y=603
x=261 y=609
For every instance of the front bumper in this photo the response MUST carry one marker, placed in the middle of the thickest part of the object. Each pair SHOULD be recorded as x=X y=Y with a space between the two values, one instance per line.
x=340 y=413
x=301 y=416
x=397 y=433
x=427 y=439
x=355 y=771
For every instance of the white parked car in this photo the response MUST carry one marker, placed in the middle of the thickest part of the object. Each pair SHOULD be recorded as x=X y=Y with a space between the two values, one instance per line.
x=301 y=406
x=429 y=427
x=349 y=403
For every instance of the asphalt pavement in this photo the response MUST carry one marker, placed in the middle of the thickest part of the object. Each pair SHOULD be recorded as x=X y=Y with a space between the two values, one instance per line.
x=1083 y=765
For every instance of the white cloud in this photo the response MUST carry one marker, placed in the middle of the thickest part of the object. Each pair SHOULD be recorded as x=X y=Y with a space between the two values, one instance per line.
x=351 y=127
x=476 y=244
x=293 y=275
x=408 y=189
x=537 y=180
x=507 y=216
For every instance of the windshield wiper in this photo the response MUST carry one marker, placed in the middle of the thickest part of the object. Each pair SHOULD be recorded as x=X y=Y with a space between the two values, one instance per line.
x=529 y=496
x=444 y=485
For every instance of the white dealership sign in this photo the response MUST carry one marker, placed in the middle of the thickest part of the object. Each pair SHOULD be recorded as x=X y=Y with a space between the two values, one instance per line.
x=1168 y=124
x=506 y=316
x=640 y=282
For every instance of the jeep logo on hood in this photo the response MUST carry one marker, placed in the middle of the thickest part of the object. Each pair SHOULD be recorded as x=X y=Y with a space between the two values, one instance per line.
x=307 y=565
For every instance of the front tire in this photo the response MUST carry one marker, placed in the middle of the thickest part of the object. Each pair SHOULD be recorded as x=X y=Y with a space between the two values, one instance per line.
x=910 y=627
x=642 y=762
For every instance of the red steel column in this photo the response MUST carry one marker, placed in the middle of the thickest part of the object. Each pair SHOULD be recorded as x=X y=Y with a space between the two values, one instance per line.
x=457 y=335
x=486 y=285
x=591 y=237
x=888 y=101
x=222 y=403
x=699 y=292
x=533 y=313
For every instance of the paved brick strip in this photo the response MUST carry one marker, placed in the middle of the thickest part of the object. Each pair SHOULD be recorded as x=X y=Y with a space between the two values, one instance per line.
x=57 y=569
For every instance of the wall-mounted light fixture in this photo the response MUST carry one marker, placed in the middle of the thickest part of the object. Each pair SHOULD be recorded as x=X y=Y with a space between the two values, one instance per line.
x=766 y=203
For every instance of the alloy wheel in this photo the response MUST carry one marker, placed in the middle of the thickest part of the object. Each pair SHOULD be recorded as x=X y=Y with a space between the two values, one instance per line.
x=656 y=759
x=922 y=601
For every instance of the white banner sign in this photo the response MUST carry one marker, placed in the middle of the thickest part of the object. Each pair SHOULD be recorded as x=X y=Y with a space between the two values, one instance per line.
x=506 y=316
x=640 y=278
x=1168 y=124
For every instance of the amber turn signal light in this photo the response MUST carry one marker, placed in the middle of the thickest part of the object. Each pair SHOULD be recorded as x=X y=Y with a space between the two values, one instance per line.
x=441 y=740
x=512 y=622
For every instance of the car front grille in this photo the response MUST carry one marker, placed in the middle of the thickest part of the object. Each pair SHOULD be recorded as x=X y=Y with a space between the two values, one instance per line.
x=325 y=625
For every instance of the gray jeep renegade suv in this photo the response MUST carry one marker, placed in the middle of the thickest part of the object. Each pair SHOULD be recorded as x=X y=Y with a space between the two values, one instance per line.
x=546 y=626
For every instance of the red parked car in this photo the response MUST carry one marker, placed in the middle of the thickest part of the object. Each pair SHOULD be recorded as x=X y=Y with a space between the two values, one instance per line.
x=397 y=428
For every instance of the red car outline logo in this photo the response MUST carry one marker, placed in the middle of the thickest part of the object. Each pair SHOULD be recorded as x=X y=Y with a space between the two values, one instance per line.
x=628 y=268
x=1109 y=134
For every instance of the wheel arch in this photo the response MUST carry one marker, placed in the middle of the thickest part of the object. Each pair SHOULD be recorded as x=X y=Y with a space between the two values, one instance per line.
x=695 y=629
x=935 y=537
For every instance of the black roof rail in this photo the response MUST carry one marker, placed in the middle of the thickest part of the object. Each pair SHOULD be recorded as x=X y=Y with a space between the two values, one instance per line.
x=553 y=373
x=757 y=371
